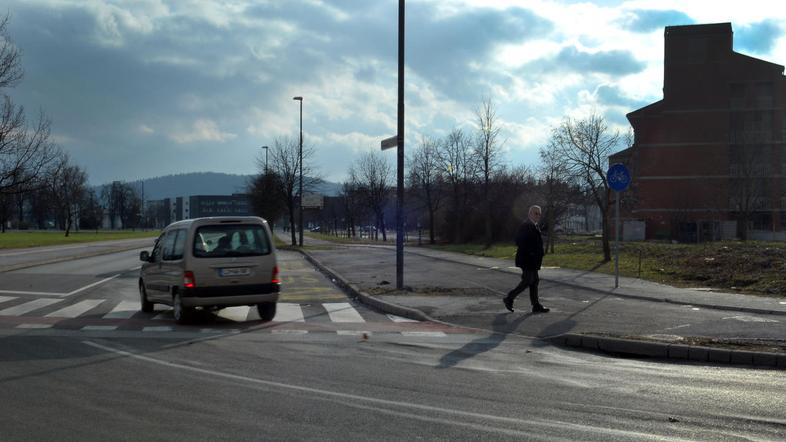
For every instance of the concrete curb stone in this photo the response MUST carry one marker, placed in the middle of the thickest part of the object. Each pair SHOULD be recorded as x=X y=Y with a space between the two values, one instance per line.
x=65 y=258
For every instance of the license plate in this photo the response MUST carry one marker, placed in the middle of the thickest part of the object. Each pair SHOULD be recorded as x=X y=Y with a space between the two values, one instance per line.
x=235 y=271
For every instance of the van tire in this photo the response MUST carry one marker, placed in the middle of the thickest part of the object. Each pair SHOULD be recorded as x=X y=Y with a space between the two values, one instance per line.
x=147 y=306
x=181 y=313
x=267 y=310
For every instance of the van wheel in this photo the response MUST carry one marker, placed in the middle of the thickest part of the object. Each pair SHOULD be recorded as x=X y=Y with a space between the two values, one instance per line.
x=267 y=310
x=181 y=313
x=147 y=306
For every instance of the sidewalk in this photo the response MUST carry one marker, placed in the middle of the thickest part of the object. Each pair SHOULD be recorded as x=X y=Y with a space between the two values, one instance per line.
x=715 y=317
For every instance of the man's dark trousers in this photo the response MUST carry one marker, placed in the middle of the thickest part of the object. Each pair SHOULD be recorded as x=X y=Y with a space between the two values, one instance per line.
x=529 y=279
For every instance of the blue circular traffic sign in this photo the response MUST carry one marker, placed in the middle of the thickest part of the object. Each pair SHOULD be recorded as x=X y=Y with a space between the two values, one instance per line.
x=618 y=177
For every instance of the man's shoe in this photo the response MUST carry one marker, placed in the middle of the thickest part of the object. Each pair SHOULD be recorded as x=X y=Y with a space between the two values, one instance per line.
x=540 y=309
x=508 y=303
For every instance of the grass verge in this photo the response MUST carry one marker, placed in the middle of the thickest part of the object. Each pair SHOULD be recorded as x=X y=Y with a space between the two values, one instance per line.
x=38 y=238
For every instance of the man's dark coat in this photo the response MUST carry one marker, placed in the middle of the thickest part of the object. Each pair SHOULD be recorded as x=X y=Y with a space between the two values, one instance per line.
x=529 y=255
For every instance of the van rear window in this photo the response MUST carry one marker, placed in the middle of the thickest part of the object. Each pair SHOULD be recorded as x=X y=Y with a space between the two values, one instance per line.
x=230 y=240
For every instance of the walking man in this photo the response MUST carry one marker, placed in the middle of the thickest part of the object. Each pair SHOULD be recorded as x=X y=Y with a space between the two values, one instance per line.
x=529 y=256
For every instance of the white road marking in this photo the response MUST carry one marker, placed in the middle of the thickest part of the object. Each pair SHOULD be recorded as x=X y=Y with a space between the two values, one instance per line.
x=237 y=314
x=430 y=334
x=744 y=318
x=288 y=312
x=99 y=328
x=72 y=311
x=289 y=332
x=7 y=298
x=457 y=417
x=678 y=326
x=22 y=292
x=123 y=310
x=34 y=326
x=352 y=333
x=157 y=329
x=28 y=307
x=93 y=285
x=395 y=318
x=342 y=312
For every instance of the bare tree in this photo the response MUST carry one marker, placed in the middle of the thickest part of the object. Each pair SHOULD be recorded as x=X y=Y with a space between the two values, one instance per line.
x=557 y=191
x=25 y=153
x=584 y=145
x=285 y=163
x=426 y=179
x=351 y=196
x=457 y=164
x=67 y=185
x=487 y=153
x=373 y=173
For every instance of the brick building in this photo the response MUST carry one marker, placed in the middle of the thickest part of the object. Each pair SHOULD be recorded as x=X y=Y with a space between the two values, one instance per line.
x=709 y=159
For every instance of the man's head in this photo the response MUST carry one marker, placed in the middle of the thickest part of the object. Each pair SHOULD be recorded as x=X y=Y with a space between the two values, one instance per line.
x=534 y=214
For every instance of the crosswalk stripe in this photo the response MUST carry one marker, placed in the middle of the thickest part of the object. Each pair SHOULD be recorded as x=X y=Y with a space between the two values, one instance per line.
x=28 y=306
x=99 y=327
x=352 y=333
x=289 y=332
x=433 y=334
x=287 y=312
x=395 y=318
x=157 y=329
x=123 y=310
x=6 y=298
x=342 y=312
x=74 y=310
x=238 y=314
x=34 y=326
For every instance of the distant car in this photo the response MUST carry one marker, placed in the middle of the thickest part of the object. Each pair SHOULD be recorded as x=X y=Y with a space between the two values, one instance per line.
x=211 y=263
x=314 y=229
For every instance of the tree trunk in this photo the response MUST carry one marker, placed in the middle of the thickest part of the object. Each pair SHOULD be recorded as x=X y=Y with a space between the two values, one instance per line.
x=292 y=224
x=431 y=226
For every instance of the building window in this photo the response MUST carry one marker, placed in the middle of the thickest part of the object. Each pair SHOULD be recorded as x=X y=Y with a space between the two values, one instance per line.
x=764 y=96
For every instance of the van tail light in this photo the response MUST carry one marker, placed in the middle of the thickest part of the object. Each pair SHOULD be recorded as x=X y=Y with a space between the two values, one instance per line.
x=275 y=279
x=188 y=280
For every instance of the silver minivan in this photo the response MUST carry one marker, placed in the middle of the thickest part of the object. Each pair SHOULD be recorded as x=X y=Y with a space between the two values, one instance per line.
x=211 y=263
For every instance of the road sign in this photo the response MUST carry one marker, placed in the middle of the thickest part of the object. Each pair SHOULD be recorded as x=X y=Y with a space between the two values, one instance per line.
x=618 y=177
x=387 y=143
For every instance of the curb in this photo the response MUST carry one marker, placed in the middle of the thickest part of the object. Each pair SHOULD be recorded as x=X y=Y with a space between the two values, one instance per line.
x=670 y=351
x=604 y=344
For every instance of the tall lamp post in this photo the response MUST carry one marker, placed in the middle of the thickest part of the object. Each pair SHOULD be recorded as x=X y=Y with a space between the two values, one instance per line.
x=300 y=156
x=265 y=147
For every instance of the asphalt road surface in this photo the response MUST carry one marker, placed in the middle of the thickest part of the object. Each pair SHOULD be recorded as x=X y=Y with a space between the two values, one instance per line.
x=82 y=363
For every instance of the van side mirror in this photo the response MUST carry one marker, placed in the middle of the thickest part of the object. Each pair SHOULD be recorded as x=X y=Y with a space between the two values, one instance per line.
x=144 y=256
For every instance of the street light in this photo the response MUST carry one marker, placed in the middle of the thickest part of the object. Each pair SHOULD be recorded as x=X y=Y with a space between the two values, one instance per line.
x=300 y=156
x=265 y=147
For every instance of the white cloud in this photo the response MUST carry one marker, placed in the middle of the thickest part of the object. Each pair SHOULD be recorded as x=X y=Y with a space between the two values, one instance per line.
x=201 y=130
x=145 y=129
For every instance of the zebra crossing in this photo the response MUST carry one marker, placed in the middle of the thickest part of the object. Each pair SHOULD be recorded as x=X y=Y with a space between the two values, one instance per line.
x=291 y=318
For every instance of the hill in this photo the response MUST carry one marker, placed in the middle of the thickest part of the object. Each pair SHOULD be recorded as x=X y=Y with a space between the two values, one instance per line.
x=206 y=183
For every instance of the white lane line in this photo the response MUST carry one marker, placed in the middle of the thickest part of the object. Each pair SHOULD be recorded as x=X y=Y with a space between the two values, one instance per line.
x=157 y=329
x=22 y=292
x=34 y=326
x=289 y=312
x=21 y=309
x=123 y=310
x=342 y=312
x=290 y=332
x=455 y=417
x=428 y=334
x=237 y=314
x=72 y=311
x=746 y=318
x=93 y=285
x=6 y=298
x=99 y=328
x=395 y=318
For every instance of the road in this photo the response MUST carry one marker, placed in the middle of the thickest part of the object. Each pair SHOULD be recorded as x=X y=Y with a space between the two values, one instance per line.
x=330 y=369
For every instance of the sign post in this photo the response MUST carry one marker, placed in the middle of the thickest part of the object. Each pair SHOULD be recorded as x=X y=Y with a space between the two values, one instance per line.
x=618 y=178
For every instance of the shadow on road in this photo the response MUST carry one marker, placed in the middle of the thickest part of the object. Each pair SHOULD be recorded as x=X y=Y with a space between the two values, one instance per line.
x=502 y=326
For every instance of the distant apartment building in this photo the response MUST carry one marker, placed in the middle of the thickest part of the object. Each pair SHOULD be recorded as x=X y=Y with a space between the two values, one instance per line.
x=709 y=159
x=160 y=213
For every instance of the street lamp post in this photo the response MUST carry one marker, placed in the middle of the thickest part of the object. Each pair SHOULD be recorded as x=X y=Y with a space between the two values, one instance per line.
x=300 y=156
x=265 y=147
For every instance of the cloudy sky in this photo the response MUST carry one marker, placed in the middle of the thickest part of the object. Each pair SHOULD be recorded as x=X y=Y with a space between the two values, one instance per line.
x=143 y=88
